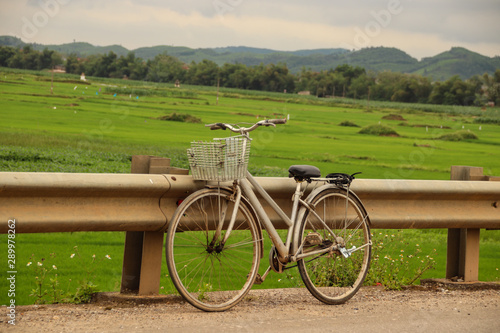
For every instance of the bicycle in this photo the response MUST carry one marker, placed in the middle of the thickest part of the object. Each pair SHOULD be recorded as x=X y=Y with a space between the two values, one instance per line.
x=215 y=238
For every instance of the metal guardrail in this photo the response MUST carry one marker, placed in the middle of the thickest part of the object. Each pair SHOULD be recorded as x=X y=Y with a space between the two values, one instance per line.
x=63 y=202
x=141 y=205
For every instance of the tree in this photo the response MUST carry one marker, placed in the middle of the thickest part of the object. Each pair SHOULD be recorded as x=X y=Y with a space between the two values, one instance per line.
x=344 y=80
x=135 y=68
x=384 y=88
x=16 y=60
x=73 y=65
x=304 y=79
x=411 y=89
x=255 y=76
x=105 y=65
x=454 y=91
x=6 y=53
x=234 y=76
x=349 y=72
x=89 y=65
x=204 y=73
x=165 y=68
x=276 y=78
x=45 y=59
x=29 y=58
x=493 y=87
x=362 y=85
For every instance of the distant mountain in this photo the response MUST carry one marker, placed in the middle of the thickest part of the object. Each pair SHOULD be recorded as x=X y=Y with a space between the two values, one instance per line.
x=246 y=49
x=457 y=61
x=79 y=48
x=83 y=49
x=320 y=51
x=11 y=41
x=382 y=58
x=243 y=49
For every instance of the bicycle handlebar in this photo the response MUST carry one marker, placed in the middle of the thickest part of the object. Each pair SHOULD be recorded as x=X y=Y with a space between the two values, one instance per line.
x=243 y=130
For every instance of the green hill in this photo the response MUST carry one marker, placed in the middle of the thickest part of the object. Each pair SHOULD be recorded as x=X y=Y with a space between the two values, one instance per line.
x=457 y=61
x=242 y=49
x=373 y=58
x=84 y=49
x=11 y=41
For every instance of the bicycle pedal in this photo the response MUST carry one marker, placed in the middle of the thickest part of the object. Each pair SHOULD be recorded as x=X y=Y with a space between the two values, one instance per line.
x=313 y=238
x=258 y=279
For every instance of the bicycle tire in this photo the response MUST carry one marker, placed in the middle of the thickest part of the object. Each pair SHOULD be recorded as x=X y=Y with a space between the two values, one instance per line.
x=334 y=278
x=209 y=276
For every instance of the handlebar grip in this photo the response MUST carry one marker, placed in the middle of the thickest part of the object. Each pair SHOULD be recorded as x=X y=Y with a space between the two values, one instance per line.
x=216 y=126
x=276 y=121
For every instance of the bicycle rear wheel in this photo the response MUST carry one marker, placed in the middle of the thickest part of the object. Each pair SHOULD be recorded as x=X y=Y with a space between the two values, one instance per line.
x=210 y=275
x=334 y=277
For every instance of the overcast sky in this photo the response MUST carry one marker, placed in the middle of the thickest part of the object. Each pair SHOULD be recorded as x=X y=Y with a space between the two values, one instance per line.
x=421 y=28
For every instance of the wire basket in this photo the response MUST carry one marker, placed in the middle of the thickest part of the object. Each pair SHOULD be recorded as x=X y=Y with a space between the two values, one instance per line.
x=220 y=160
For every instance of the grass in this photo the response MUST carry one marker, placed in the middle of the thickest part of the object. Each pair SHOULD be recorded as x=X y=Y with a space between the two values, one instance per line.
x=378 y=129
x=84 y=127
x=55 y=249
x=86 y=121
x=459 y=136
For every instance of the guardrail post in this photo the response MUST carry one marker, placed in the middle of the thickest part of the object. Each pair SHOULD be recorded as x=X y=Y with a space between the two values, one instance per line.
x=143 y=250
x=462 y=259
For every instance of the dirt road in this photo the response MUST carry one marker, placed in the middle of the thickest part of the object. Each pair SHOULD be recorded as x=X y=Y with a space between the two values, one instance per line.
x=285 y=310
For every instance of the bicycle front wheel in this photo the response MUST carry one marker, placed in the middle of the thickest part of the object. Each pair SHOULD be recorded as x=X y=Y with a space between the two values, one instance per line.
x=335 y=276
x=208 y=273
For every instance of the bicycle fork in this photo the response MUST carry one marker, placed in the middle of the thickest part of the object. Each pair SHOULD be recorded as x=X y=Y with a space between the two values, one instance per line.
x=223 y=209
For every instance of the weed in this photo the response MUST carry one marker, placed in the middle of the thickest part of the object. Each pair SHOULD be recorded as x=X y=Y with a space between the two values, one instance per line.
x=184 y=118
x=394 y=117
x=203 y=290
x=84 y=293
x=459 y=136
x=48 y=293
x=337 y=272
x=348 y=123
x=394 y=263
x=379 y=130
x=43 y=293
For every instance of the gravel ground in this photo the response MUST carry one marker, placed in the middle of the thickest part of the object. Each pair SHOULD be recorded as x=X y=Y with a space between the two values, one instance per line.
x=373 y=309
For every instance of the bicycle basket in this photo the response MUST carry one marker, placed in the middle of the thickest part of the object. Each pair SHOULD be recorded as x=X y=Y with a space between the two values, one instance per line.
x=221 y=159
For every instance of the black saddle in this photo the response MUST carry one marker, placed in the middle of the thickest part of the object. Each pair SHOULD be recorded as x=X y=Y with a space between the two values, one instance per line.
x=301 y=172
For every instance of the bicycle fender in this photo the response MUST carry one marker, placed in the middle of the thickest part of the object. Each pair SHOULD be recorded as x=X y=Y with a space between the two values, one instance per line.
x=328 y=186
x=303 y=209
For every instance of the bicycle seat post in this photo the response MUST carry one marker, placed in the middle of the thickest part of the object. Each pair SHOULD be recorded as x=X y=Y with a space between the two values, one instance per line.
x=295 y=199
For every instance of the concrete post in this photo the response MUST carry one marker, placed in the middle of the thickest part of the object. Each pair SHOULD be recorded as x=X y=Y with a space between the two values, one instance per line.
x=143 y=250
x=462 y=259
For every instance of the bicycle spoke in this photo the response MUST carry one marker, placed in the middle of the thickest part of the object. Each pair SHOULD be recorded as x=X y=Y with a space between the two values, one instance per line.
x=335 y=276
x=212 y=275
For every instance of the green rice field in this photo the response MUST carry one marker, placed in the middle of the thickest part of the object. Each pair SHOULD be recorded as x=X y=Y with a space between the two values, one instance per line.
x=97 y=125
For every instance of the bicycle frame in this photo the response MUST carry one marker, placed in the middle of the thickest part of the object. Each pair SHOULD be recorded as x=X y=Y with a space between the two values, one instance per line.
x=288 y=251
x=285 y=251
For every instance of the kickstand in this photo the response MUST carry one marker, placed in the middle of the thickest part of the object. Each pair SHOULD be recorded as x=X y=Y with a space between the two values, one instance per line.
x=259 y=279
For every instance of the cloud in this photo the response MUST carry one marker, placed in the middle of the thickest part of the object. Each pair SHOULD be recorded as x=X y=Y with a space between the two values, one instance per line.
x=184 y=7
x=420 y=28
x=457 y=21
